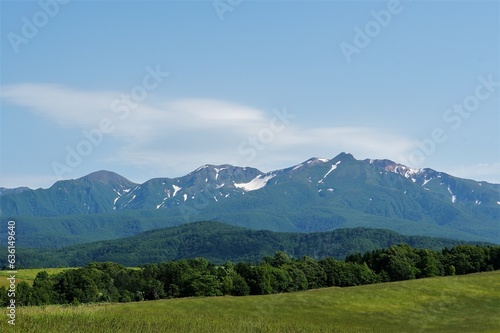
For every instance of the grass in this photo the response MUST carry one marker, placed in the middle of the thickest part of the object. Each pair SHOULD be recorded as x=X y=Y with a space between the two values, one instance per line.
x=469 y=303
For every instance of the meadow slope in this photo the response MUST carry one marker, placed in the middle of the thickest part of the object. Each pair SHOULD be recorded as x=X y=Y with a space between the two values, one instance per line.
x=469 y=303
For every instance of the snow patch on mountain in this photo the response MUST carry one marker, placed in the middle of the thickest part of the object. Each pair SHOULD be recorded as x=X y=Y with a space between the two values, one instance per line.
x=315 y=160
x=176 y=189
x=426 y=181
x=119 y=195
x=217 y=170
x=255 y=184
x=164 y=200
x=116 y=199
x=201 y=168
x=453 y=197
x=408 y=173
x=311 y=161
x=132 y=199
x=402 y=170
x=330 y=171
x=114 y=202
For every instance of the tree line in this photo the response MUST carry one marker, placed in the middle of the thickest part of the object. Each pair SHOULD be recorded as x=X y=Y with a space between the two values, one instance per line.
x=111 y=282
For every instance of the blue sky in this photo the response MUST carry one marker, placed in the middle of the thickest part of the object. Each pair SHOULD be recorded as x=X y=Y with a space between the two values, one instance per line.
x=161 y=88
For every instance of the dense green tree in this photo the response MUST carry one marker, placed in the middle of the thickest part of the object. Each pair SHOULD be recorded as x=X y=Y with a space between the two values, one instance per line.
x=429 y=264
x=87 y=284
x=240 y=286
x=313 y=271
x=298 y=278
x=280 y=280
x=152 y=289
x=175 y=276
x=201 y=284
x=278 y=260
x=263 y=274
x=338 y=273
x=363 y=274
x=495 y=257
x=258 y=277
x=399 y=262
x=24 y=294
x=43 y=289
x=468 y=259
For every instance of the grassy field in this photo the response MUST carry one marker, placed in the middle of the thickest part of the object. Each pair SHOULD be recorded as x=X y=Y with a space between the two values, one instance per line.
x=469 y=303
x=27 y=275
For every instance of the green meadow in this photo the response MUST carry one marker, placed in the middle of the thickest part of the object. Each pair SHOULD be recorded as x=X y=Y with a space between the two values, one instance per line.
x=469 y=303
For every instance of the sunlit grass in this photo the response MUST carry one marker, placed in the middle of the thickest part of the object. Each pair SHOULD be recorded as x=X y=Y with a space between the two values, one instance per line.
x=468 y=303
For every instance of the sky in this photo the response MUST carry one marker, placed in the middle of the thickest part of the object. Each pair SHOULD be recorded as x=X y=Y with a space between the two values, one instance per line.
x=158 y=88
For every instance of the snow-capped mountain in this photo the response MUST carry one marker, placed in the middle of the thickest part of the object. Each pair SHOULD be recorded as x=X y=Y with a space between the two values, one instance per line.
x=316 y=195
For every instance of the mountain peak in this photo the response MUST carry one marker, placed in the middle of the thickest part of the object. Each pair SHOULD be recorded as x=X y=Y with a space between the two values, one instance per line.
x=317 y=160
x=105 y=177
x=343 y=156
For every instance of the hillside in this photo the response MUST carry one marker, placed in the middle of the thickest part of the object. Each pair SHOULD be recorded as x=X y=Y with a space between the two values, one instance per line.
x=467 y=303
x=219 y=243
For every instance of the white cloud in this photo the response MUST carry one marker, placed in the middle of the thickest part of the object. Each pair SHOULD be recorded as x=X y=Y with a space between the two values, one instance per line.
x=85 y=109
x=66 y=106
x=176 y=136
x=216 y=111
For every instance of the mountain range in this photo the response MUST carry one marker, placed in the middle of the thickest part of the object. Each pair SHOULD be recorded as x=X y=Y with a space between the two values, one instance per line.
x=316 y=195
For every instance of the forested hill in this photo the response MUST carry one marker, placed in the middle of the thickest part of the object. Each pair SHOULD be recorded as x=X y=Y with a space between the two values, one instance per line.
x=219 y=243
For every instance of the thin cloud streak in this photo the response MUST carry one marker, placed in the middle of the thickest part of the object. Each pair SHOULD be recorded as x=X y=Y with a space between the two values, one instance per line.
x=176 y=136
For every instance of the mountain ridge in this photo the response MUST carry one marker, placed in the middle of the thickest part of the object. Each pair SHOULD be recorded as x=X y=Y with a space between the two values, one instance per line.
x=316 y=195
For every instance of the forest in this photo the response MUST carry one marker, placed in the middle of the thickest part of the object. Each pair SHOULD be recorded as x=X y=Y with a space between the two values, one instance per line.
x=280 y=273
x=219 y=243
